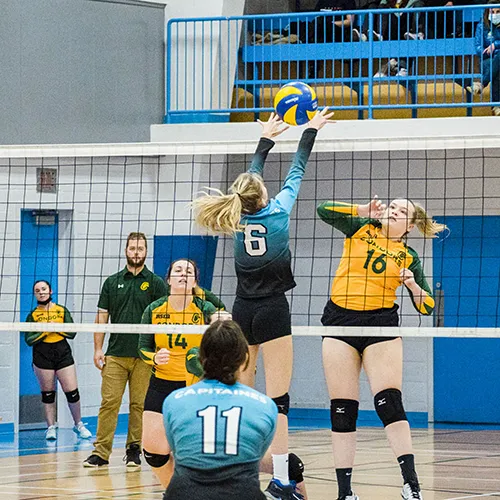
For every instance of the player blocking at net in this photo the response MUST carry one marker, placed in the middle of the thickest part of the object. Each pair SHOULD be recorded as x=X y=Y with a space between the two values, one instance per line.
x=375 y=262
x=260 y=227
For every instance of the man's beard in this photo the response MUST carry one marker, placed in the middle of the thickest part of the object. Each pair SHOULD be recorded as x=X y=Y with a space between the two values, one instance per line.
x=132 y=263
x=44 y=302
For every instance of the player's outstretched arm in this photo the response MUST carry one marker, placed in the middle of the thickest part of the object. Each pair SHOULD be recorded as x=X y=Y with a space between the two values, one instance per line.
x=270 y=129
x=288 y=194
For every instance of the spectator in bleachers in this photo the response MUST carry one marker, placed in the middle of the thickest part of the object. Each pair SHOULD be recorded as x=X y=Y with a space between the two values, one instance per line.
x=444 y=23
x=396 y=25
x=335 y=28
x=487 y=47
x=327 y=29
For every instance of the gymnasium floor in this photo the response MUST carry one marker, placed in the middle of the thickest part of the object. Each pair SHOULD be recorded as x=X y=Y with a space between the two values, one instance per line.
x=452 y=464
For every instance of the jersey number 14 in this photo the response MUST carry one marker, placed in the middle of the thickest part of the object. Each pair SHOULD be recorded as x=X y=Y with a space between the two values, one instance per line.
x=209 y=429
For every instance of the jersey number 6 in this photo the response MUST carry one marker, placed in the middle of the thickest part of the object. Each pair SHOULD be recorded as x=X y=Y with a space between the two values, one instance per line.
x=255 y=245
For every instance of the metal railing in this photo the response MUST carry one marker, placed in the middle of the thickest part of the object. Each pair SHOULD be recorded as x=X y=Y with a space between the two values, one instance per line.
x=409 y=62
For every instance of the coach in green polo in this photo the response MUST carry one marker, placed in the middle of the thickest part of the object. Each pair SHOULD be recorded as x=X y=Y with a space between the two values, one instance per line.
x=124 y=296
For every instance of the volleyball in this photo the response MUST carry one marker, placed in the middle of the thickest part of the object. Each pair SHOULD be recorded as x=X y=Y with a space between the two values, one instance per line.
x=296 y=103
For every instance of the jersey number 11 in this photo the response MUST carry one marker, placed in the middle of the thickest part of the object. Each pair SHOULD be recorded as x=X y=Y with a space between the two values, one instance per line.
x=209 y=429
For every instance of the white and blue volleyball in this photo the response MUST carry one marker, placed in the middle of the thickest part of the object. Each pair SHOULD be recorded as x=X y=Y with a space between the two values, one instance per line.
x=296 y=103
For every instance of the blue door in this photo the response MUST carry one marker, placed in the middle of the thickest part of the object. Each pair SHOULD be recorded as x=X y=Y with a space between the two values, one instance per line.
x=467 y=272
x=39 y=252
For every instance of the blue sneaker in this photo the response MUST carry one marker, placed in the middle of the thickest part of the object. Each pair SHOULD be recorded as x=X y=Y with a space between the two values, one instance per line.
x=276 y=491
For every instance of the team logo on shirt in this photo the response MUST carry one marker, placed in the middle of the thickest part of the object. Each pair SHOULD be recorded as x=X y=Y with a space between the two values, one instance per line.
x=196 y=318
x=145 y=286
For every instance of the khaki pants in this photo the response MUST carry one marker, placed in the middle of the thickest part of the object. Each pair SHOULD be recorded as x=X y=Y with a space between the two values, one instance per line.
x=115 y=375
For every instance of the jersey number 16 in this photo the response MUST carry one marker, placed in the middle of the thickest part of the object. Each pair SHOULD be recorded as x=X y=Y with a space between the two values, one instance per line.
x=209 y=429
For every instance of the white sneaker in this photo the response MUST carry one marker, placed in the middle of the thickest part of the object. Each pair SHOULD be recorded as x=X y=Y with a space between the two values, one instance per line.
x=81 y=431
x=358 y=36
x=411 y=492
x=476 y=88
x=51 y=433
x=350 y=497
x=412 y=36
x=496 y=110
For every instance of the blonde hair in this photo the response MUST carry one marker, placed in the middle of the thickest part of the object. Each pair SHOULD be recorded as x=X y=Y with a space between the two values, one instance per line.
x=221 y=213
x=426 y=224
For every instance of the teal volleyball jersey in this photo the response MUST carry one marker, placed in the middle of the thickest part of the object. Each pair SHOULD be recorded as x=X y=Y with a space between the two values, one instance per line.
x=211 y=425
x=262 y=254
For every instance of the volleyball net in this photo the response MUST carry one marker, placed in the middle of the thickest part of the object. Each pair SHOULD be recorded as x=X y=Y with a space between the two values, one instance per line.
x=66 y=213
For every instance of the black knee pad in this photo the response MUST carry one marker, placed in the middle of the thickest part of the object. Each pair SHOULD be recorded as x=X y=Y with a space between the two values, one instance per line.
x=283 y=403
x=344 y=414
x=73 y=396
x=156 y=461
x=295 y=468
x=389 y=406
x=48 y=397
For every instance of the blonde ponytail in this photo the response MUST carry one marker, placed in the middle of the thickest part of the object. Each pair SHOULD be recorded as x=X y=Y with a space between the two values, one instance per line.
x=426 y=224
x=220 y=213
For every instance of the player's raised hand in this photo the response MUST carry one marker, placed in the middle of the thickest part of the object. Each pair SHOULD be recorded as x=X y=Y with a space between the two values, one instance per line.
x=273 y=127
x=320 y=119
x=374 y=210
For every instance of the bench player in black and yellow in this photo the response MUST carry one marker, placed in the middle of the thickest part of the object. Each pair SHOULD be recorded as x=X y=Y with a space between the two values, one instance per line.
x=375 y=262
x=167 y=352
x=53 y=360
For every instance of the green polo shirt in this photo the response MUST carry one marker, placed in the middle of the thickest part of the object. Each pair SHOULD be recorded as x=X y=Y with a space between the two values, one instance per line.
x=125 y=297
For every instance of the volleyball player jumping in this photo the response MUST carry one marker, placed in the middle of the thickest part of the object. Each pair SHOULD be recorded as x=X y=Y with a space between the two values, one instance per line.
x=260 y=227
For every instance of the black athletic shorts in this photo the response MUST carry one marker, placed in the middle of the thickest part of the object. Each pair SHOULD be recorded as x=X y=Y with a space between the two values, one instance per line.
x=333 y=315
x=158 y=391
x=263 y=319
x=53 y=356
x=231 y=483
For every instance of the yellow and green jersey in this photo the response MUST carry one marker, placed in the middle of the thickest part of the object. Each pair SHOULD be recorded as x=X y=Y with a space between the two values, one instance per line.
x=160 y=313
x=368 y=274
x=55 y=314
